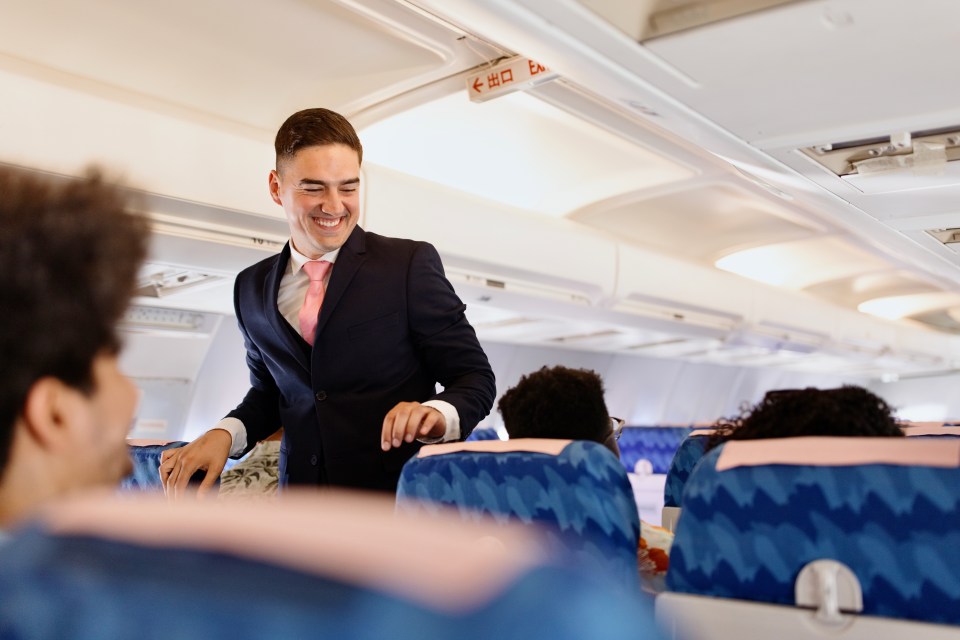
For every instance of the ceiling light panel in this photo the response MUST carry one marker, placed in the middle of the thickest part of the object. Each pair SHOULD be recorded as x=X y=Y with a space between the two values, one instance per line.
x=795 y=265
x=698 y=224
x=896 y=307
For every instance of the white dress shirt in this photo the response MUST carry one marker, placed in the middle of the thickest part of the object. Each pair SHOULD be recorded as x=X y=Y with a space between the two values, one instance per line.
x=293 y=289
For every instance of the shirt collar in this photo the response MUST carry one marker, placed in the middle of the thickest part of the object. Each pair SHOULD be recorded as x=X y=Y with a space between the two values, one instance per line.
x=297 y=259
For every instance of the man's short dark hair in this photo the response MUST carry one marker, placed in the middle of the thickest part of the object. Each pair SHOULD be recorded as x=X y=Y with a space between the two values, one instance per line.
x=314 y=127
x=847 y=411
x=69 y=255
x=556 y=402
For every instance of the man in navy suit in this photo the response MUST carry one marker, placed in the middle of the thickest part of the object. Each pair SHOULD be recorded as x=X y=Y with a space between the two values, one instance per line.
x=354 y=387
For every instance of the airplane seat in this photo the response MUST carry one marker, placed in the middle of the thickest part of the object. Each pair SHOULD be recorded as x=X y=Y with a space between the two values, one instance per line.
x=931 y=430
x=578 y=489
x=145 y=455
x=330 y=565
x=656 y=445
x=484 y=433
x=689 y=452
x=852 y=534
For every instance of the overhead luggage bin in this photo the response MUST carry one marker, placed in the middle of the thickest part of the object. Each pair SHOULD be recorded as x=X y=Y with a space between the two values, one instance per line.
x=663 y=291
x=487 y=246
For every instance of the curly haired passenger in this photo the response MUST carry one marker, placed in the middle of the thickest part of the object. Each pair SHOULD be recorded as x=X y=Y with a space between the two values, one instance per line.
x=847 y=411
x=560 y=402
x=69 y=255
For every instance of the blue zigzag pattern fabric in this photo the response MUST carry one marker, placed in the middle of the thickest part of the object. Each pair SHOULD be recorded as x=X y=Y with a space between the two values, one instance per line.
x=688 y=454
x=483 y=434
x=583 y=494
x=93 y=589
x=656 y=444
x=747 y=532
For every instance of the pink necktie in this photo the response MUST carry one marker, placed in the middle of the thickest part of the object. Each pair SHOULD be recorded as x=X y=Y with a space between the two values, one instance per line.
x=316 y=270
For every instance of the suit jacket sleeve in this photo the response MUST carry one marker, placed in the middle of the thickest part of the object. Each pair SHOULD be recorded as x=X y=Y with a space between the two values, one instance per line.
x=445 y=341
x=259 y=411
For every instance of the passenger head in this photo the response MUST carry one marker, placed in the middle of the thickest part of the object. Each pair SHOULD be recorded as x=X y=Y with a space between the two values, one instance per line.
x=847 y=411
x=558 y=402
x=317 y=179
x=69 y=255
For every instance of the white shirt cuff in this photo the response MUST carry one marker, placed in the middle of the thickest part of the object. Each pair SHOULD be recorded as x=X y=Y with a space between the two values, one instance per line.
x=452 y=418
x=238 y=433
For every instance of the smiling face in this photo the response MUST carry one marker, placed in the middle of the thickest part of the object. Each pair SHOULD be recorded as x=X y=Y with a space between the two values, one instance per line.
x=319 y=190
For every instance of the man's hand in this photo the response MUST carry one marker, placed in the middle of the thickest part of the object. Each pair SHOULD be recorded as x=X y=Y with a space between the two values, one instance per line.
x=209 y=452
x=410 y=420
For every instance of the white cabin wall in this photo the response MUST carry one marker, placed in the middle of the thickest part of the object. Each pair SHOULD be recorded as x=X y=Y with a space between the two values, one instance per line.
x=928 y=398
x=654 y=391
x=222 y=382
x=642 y=390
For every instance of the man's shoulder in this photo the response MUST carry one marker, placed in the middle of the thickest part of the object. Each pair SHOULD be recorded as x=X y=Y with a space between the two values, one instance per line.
x=386 y=244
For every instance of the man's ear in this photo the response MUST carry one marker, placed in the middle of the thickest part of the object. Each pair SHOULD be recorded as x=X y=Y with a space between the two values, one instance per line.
x=274 y=182
x=47 y=410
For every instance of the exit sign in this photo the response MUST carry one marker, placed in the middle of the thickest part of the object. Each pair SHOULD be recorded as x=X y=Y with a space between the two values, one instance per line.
x=506 y=77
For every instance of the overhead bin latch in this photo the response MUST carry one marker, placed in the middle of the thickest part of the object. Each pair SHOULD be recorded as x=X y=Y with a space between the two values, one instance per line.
x=516 y=74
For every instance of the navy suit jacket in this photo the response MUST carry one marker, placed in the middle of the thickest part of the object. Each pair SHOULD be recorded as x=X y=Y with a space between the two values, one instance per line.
x=390 y=328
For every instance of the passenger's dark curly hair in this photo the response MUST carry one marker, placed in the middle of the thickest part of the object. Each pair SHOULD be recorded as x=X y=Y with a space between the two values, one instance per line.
x=556 y=402
x=847 y=411
x=69 y=255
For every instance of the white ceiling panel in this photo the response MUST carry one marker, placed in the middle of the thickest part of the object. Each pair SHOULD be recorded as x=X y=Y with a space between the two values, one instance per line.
x=836 y=65
x=243 y=62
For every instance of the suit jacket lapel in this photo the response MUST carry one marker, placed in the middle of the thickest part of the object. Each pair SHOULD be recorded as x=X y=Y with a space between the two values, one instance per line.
x=349 y=259
x=271 y=291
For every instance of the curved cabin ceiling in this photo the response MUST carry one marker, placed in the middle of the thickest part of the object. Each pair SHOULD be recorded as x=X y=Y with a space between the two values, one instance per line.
x=223 y=65
x=219 y=58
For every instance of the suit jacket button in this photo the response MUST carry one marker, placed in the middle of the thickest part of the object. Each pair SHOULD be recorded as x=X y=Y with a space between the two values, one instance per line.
x=321 y=396
x=313 y=460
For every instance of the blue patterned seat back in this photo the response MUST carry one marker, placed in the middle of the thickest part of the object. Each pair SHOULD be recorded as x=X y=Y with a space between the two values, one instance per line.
x=931 y=430
x=581 y=491
x=688 y=454
x=483 y=434
x=655 y=444
x=251 y=571
x=747 y=531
